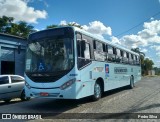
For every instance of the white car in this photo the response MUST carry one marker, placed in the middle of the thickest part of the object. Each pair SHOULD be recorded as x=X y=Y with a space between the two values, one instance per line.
x=12 y=86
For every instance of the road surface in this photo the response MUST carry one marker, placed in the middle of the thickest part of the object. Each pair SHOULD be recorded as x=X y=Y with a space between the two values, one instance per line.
x=144 y=98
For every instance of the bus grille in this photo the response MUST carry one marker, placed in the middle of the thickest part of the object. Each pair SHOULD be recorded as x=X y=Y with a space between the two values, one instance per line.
x=46 y=77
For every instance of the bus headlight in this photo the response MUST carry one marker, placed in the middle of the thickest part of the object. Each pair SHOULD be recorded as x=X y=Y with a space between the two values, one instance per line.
x=27 y=85
x=67 y=84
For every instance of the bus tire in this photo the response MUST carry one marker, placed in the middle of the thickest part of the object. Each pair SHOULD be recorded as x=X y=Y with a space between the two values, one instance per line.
x=97 y=91
x=131 y=86
x=23 y=96
x=7 y=100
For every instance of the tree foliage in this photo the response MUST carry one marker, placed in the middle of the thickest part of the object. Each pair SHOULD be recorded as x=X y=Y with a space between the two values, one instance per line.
x=146 y=64
x=157 y=70
x=21 y=28
x=52 y=26
x=138 y=51
x=75 y=25
x=5 y=24
x=68 y=24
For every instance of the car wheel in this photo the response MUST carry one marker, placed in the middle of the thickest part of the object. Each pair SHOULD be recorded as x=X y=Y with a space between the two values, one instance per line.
x=131 y=82
x=23 y=96
x=7 y=100
x=97 y=91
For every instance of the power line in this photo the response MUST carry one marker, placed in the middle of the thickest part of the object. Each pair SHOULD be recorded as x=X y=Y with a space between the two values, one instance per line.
x=137 y=25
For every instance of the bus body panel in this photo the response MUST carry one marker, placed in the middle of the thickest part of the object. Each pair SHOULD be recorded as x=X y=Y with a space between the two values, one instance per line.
x=53 y=88
x=113 y=75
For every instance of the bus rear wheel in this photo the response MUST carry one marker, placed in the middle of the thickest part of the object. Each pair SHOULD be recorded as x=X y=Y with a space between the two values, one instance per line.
x=97 y=91
x=131 y=82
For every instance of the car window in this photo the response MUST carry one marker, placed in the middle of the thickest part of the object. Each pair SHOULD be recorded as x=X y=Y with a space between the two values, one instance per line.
x=4 y=80
x=16 y=79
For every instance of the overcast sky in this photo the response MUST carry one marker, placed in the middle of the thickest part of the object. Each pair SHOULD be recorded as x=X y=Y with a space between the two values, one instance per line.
x=106 y=18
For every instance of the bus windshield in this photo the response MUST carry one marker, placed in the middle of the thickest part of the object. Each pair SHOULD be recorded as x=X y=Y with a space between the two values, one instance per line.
x=50 y=55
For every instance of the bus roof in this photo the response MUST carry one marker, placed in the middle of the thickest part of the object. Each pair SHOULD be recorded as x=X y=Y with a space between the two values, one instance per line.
x=103 y=40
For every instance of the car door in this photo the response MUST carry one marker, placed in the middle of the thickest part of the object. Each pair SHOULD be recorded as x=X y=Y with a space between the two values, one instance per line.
x=17 y=84
x=4 y=87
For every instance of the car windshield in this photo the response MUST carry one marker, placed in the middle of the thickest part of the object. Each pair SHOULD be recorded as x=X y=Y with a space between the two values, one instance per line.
x=50 y=55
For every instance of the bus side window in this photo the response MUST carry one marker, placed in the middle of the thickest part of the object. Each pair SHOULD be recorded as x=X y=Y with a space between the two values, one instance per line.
x=107 y=48
x=134 y=60
x=79 y=38
x=125 y=59
x=83 y=48
x=99 y=46
x=94 y=44
x=110 y=53
x=138 y=60
x=104 y=47
x=122 y=54
x=87 y=51
x=118 y=56
x=78 y=49
x=83 y=51
x=130 y=58
x=114 y=55
x=106 y=53
x=89 y=41
x=99 y=52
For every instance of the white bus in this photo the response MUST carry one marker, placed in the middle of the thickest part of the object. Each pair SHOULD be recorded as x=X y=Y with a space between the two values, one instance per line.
x=70 y=63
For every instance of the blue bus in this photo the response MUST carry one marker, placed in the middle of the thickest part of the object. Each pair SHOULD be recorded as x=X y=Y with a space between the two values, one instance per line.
x=70 y=63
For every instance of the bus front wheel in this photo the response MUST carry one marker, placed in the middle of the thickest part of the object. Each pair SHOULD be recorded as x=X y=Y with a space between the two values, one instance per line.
x=23 y=96
x=97 y=91
x=7 y=100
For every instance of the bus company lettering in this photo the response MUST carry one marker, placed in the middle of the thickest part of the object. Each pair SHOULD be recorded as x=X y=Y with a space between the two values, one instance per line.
x=73 y=75
x=120 y=70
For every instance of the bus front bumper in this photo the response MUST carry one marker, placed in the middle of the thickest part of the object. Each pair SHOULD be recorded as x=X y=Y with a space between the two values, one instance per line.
x=50 y=93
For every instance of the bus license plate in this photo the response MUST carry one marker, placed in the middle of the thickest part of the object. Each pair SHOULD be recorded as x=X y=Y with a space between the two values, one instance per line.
x=44 y=94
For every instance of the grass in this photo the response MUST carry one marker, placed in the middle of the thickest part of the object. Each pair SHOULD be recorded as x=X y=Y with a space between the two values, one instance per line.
x=151 y=76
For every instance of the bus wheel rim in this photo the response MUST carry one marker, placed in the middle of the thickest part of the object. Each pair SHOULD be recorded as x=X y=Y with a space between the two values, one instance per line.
x=97 y=90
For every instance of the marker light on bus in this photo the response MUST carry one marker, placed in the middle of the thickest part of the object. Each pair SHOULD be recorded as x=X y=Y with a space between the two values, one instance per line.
x=68 y=83
x=27 y=85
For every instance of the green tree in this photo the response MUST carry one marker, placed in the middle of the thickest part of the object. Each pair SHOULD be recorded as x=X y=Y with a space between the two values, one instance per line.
x=75 y=25
x=148 y=64
x=157 y=70
x=69 y=24
x=5 y=24
x=14 y=29
x=52 y=26
x=24 y=29
x=21 y=28
x=138 y=51
x=142 y=55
